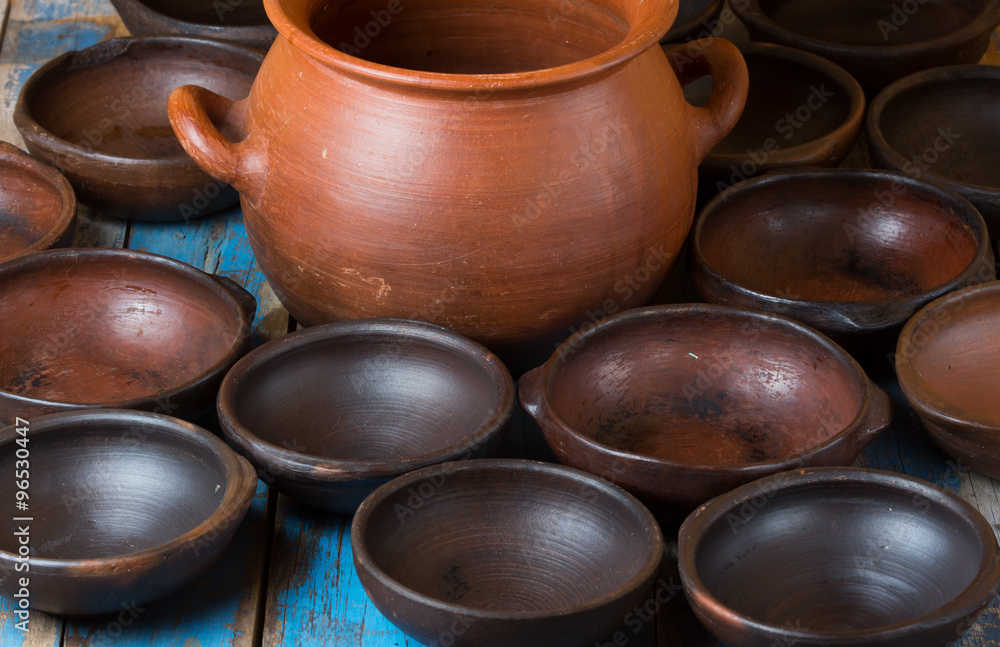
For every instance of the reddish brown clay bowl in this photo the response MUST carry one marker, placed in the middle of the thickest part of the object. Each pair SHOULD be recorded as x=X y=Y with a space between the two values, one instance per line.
x=694 y=19
x=678 y=404
x=113 y=328
x=330 y=413
x=116 y=145
x=239 y=21
x=838 y=557
x=850 y=253
x=942 y=126
x=877 y=41
x=37 y=205
x=947 y=362
x=124 y=507
x=495 y=553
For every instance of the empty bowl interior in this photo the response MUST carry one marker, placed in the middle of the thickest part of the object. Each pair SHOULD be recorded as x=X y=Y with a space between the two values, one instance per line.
x=106 y=489
x=509 y=541
x=706 y=387
x=90 y=329
x=838 y=556
x=376 y=397
x=30 y=208
x=225 y=13
x=872 y=23
x=838 y=237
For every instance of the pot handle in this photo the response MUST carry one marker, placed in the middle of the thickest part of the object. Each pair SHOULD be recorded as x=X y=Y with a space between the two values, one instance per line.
x=730 y=82
x=876 y=418
x=194 y=113
x=529 y=392
x=246 y=300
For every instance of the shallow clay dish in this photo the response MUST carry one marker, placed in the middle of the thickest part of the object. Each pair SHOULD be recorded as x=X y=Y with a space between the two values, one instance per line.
x=678 y=404
x=838 y=557
x=942 y=126
x=693 y=20
x=877 y=41
x=37 y=205
x=330 y=413
x=847 y=252
x=124 y=507
x=113 y=328
x=518 y=552
x=947 y=362
x=239 y=21
x=116 y=145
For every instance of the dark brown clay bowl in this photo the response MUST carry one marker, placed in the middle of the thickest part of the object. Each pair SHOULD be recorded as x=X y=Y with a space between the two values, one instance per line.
x=113 y=328
x=238 y=21
x=877 y=41
x=495 y=553
x=694 y=20
x=678 y=404
x=330 y=413
x=115 y=145
x=37 y=205
x=947 y=362
x=942 y=126
x=124 y=507
x=801 y=110
x=838 y=557
x=850 y=253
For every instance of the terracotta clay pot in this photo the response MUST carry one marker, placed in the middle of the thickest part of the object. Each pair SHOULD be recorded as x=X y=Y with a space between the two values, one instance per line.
x=502 y=173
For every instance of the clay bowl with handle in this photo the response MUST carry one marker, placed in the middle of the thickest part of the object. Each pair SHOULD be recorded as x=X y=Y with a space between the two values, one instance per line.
x=678 y=404
x=494 y=553
x=239 y=21
x=330 y=413
x=115 y=146
x=851 y=253
x=114 y=328
x=838 y=557
x=947 y=361
x=37 y=205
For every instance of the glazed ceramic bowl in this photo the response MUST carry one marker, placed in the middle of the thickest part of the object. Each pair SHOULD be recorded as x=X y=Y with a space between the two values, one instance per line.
x=37 y=205
x=495 y=553
x=116 y=146
x=947 y=361
x=113 y=328
x=850 y=253
x=694 y=20
x=877 y=41
x=838 y=557
x=678 y=404
x=330 y=413
x=124 y=507
x=239 y=21
x=939 y=126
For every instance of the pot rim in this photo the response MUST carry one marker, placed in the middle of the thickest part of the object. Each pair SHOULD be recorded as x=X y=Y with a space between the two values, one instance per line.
x=650 y=22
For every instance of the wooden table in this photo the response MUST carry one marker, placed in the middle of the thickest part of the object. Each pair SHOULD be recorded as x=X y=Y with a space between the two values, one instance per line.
x=288 y=579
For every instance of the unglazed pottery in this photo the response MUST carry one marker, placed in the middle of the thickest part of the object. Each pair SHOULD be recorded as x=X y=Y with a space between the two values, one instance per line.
x=695 y=19
x=877 y=41
x=330 y=413
x=849 y=252
x=941 y=126
x=113 y=328
x=947 y=364
x=124 y=508
x=499 y=553
x=37 y=205
x=838 y=557
x=484 y=169
x=240 y=21
x=99 y=116
x=678 y=404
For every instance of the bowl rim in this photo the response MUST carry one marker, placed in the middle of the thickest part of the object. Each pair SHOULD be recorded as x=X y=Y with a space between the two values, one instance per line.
x=866 y=388
x=980 y=591
x=927 y=400
x=96 y=55
x=937 y=76
x=33 y=262
x=290 y=464
x=241 y=485
x=219 y=30
x=678 y=33
x=12 y=156
x=959 y=207
x=363 y=558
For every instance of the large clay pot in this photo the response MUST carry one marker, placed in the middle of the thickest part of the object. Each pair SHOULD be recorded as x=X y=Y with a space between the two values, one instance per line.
x=511 y=170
